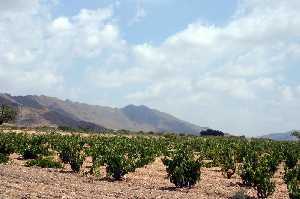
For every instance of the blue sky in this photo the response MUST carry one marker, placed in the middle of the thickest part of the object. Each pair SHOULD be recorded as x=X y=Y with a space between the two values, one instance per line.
x=231 y=65
x=162 y=18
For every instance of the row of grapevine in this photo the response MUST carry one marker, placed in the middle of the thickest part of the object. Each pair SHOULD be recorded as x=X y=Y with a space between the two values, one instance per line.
x=255 y=160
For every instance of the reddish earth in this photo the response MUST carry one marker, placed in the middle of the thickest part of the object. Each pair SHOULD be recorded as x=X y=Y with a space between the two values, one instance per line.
x=17 y=181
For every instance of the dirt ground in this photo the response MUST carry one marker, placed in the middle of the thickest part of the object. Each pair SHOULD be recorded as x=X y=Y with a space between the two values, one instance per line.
x=17 y=181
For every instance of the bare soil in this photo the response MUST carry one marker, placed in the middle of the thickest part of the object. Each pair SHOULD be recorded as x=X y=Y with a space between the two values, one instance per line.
x=18 y=181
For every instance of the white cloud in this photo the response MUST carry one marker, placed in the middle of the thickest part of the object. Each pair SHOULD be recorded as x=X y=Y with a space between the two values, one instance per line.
x=243 y=62
x=233 y=77
x=38 y=51
x=61 y=24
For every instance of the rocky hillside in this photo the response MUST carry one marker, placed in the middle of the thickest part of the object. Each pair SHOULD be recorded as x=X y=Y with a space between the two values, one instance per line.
x=43 y=110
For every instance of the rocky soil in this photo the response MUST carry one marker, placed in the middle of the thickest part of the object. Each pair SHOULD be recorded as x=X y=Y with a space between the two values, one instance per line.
x=17 y=181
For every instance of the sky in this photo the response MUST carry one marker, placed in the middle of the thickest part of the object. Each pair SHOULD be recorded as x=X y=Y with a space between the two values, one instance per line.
x=231 y=65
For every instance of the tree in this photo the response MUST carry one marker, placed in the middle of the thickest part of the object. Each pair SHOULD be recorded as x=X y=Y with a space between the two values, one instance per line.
x=7 y=113
x=211 y=132
x=296 y=134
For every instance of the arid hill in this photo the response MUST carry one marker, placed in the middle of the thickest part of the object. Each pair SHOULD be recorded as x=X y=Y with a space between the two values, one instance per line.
x=42 y=110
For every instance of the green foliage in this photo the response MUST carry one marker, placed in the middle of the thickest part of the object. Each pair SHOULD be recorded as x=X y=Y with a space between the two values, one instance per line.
x=296 y=134
x=257 y=172
x=291 y=158
x=121 y=155
x=70 y=150
x=33 y=146
x=8 y=143
x=292 y=179
x=247 y=170
x=44 y=163
x=7 y=113
x=228 y=164
x=3 y=158
x=182 y=168
x=117 y=165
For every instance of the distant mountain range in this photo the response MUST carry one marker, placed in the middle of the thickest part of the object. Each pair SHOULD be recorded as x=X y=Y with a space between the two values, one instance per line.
x=49 y=111
x=281 y=136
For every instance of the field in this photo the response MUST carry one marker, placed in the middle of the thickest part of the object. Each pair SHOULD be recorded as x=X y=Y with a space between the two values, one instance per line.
x=134 y=166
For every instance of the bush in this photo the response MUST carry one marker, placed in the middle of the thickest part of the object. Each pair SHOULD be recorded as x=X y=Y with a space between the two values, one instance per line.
x=121 y=155
x=44 y=163
x=182 y=168
x=265 y=187
x=70 y=150
x=247 y=169
x=291 y=158
x=228 y=164
x=7 y=143
x=3 y=158
x=292 y=179
x=118 y=165
x=257 y=172
x=117 y=155
x=33 y=147
x=7 y=113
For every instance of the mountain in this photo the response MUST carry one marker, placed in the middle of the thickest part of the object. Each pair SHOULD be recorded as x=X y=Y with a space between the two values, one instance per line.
x=43 y=110
x=281 y=136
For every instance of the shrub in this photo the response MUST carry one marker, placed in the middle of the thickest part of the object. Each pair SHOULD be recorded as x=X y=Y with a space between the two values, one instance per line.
x=265 y=187
x=257 y=172
x=7 y=143
x=291 y=158
x=228 y=164
x=117 y=155
x=33 y=147
x=7 y=113
x=70 y=150
x=292 y=179
x=44 y=163
x=182 y=168
x=117 y=165
x=3 y=158
x=247 y=169
x=121 y=155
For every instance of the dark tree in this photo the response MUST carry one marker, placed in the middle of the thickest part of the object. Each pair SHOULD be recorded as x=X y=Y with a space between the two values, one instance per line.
x=7 y=114
x=296 y=134
x=211 y=132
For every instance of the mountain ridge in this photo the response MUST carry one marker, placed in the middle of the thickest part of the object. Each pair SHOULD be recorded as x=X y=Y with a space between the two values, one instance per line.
x=42 y=110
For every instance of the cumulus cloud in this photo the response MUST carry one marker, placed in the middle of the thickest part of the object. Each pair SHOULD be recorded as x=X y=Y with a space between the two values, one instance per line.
x=233 y=77
x=38 y=51
x=243 y=62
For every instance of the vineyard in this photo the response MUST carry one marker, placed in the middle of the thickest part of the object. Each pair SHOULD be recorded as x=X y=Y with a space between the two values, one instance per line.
x=115 y=158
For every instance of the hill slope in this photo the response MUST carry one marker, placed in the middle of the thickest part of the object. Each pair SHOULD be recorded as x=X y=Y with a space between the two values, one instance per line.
x=280 y=136
x=43 y=110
